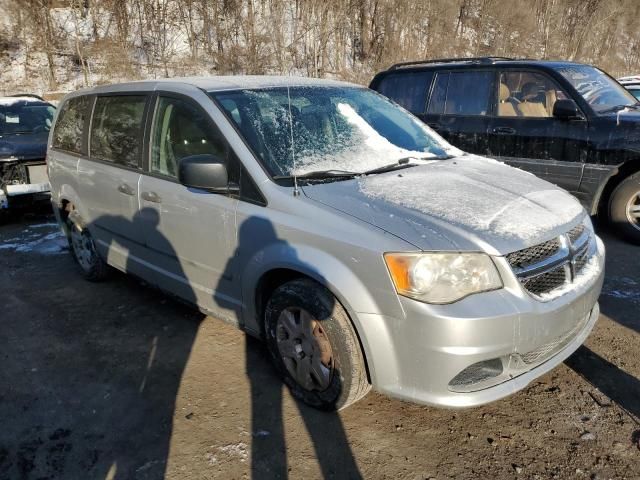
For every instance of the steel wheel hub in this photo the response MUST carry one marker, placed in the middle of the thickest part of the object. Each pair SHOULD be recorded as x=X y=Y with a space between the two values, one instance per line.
x=83 y=248
x=633 y=210
x=304 y=349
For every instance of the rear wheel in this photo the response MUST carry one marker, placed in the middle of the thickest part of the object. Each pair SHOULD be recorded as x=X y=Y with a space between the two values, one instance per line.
x=84 y=252
x=624 y=208
x=314 y=346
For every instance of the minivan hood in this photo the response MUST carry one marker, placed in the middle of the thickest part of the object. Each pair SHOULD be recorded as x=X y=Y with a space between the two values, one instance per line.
x=464 y=203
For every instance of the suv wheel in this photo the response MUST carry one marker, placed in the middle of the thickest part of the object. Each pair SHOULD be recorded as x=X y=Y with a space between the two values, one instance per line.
x=314 y=346
x=624 y=208
x=84 y=252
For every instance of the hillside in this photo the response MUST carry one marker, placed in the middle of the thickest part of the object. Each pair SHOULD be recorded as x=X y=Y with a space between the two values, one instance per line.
x=61 y=45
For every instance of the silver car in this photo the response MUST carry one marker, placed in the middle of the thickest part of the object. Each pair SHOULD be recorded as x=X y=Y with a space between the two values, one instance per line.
x=323 y=218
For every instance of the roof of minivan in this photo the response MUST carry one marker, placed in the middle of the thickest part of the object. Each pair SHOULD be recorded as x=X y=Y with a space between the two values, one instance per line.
x=221 y=82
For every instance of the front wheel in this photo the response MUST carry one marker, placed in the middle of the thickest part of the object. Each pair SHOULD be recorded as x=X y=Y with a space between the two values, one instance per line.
x=314 y=346
x=624 y=208
x=84 y=252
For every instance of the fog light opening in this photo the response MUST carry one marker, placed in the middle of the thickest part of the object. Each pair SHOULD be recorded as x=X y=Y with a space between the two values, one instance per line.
x=477 y=373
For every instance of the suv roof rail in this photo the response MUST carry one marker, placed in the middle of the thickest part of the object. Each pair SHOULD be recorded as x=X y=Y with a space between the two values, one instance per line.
x=448 y=60
x=31 y=95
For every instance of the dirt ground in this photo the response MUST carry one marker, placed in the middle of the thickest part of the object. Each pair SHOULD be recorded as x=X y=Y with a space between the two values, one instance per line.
x=118 y=381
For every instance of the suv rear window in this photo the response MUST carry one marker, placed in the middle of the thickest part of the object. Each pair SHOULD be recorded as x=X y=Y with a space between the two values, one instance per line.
x=116 y=129
x=461 y=93
x=67 y=134
x=407 y=89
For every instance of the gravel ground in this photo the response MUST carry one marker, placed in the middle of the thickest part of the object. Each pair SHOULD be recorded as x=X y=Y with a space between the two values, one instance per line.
x=118 y=381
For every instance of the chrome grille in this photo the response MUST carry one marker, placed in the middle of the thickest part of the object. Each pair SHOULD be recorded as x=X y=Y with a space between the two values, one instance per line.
x=546 y=282
x=546 y=267
x=529 y=256
x=575 y=233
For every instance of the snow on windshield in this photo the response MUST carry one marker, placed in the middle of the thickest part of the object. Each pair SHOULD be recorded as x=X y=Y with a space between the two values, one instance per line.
x=364 y=149
x=486 y=196
x=305 y=129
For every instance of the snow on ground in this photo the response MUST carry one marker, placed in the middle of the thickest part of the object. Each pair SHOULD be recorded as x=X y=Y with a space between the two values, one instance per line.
x=42 y=238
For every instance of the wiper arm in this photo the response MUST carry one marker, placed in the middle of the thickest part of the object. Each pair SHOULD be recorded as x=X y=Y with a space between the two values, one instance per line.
x=617 y=108
x=319 y=174
x=402 y=163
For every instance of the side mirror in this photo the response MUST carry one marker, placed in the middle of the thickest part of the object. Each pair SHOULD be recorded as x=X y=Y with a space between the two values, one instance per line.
x=207 y=172
x=566 y=109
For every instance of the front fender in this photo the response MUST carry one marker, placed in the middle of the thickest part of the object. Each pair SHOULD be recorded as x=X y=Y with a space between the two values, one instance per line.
x=327 y=270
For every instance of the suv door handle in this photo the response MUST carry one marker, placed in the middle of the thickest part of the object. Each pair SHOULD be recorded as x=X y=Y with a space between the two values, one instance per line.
x=126 y=189
x=435 y=126
x=504 y=130
x=151 y=197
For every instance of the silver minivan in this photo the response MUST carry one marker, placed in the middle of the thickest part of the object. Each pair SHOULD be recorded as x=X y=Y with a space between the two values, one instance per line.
x=325 y=219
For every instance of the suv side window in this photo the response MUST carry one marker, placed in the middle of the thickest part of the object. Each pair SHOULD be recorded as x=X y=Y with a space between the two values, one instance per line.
x=116 y=129
x=67 y=134
x=461 y=93
x=527 y=94
x=181 y=130
x=407 y=89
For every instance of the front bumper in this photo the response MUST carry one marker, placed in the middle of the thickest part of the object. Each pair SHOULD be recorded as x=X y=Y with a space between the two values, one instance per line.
x=418 y=357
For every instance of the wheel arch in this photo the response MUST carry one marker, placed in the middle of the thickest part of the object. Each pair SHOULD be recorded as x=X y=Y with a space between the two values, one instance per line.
x=272 y=279
x=625 y=170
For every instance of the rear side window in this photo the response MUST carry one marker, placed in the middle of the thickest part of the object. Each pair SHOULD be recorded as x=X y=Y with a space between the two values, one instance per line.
x=407 y=89
x=461 y=93
x=116 y=129
x=67 y=134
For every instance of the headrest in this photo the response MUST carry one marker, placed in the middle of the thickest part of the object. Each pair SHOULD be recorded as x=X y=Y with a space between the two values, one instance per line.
x=504 y=92
x=529 y=90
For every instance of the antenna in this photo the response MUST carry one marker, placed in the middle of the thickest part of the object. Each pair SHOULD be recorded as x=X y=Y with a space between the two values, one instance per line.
x=296 y=191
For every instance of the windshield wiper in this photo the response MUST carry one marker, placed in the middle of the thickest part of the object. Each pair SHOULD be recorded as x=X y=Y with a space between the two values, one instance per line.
x=403 y=163
x=617 y=108
x=319 y=175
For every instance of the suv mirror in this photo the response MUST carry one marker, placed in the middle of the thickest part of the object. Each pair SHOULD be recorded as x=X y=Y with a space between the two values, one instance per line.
x=566 y=109
x=207 y=172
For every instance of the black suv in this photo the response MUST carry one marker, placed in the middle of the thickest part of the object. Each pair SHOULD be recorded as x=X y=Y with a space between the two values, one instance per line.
x=569 y=123
x=25 y=121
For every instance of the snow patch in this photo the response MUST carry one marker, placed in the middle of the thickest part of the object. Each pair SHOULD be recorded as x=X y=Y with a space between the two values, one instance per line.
x=622 y=288
x=42 y=242
x=236 y=450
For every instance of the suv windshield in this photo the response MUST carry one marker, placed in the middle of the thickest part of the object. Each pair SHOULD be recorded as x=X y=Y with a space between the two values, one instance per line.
x=337 y=129
x=20 y=116
x=600 y=91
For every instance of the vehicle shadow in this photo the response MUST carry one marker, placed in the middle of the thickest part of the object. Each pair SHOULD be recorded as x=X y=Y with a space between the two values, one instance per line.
x=269 y=448
x=106 y=362
x=100 y=401
x=618 y=385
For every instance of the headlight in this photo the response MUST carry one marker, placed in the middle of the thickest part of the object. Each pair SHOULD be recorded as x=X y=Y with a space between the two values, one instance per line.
x=442 y=277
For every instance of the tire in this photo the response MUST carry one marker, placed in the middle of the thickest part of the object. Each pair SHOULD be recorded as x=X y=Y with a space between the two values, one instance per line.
x=307 y=330
x=84 y=253
x=624 y=208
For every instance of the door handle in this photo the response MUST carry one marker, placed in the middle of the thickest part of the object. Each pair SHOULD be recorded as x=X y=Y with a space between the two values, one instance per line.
x=435 y=126
x=504 y=130
x=151 y=197
x=126 y=189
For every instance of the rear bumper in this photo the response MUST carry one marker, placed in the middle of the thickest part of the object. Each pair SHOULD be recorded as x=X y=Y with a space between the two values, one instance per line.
x=422 y=357
x=27 y=188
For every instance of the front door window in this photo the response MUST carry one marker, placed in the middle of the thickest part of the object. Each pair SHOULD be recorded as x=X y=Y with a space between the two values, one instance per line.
x=527 y=94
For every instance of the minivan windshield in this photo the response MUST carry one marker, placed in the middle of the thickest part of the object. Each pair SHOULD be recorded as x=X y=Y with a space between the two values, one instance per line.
x=341 y=130
x=600 y=91
x=20 y=117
